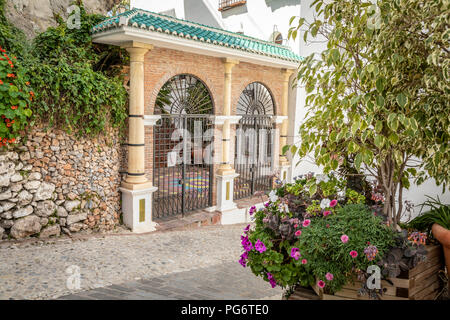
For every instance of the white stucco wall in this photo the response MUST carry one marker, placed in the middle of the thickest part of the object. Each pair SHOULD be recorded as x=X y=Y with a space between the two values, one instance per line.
x=160 y=6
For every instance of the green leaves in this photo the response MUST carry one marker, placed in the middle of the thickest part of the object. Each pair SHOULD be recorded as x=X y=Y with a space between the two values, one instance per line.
x=401 y=100
x=380 y=85
x=79 y=89
x=380 y=101
x=379 y=95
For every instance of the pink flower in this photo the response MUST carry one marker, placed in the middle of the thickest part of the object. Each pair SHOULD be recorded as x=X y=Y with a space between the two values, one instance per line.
x=326 y=213
x=328 y=225
x=329 y=276
x=333 y=203
x=295 y=225
x=320 y=284
x=298 y=233
x=306 y=223
x=304 y=261
x=295 y=253
x=344 y=238
x=354 y=254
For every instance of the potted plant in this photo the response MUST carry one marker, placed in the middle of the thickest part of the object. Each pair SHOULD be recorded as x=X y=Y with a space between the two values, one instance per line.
x=318 y=233
x=436 y=220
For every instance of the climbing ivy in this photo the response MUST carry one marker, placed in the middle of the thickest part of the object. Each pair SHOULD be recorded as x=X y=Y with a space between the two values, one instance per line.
x=78 y=83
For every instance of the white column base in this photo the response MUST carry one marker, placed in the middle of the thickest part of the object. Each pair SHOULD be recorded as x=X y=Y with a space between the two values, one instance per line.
x=225 y=190
x=137 y=215
x=285 y=174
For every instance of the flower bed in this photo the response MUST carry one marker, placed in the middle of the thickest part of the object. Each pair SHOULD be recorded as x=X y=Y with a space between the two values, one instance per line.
x=316 y=232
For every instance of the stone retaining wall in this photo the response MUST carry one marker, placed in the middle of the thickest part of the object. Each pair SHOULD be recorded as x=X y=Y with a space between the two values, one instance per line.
x=57 y=182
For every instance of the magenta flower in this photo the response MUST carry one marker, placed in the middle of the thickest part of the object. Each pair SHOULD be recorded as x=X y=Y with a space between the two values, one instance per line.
x=243 y=259
x=246 y=244
x=329 y=276
x=320 y=284
x=354 y=254
x=246 y=229
x=259 y=246
x=344 y=238
x=272 y=281
x=306 y=223
x=295 y=253
x=326 y=213
x=304 y=261
x=333 y=203
x=298 y=233
x=252 y=210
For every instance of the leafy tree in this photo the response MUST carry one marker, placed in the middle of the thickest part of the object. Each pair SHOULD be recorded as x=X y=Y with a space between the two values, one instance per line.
x=379 y=93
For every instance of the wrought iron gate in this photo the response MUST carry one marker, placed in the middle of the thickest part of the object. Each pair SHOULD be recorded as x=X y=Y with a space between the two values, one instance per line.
x=255 y=134
x=181 y=138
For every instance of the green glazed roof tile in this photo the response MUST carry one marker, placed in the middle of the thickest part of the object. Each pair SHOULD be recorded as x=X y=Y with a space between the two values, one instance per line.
x=156 y=22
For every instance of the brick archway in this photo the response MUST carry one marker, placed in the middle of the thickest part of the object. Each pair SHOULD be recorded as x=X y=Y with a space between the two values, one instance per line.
x=243 y=84
x=149 y=108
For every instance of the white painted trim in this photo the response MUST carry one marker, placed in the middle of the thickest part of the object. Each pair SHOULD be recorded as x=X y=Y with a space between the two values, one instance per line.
x=150 y=120
x=118 y=36
x=138 y=192
x=221 y=119
x=279 y=119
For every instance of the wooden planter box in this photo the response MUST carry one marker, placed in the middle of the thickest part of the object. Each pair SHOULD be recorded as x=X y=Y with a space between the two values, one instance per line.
x=420 y=283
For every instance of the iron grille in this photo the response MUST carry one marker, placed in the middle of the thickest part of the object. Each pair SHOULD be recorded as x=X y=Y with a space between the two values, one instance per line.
x=254 y=155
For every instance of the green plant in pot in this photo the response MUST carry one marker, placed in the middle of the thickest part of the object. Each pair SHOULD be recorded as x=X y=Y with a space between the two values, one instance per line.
x=436 y=220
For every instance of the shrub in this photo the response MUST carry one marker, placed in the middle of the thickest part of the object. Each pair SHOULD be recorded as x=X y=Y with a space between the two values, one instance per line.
x=439 y=213
x=80 y=85
x=302 y=237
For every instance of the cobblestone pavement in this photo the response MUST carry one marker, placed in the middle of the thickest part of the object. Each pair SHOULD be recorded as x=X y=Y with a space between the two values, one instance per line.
x=38 y=270
x=218 y=282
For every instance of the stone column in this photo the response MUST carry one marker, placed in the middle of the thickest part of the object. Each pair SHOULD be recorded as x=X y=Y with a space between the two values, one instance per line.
x=137 y=190
x=283 y=161
x=226 y=173
x=225 y=167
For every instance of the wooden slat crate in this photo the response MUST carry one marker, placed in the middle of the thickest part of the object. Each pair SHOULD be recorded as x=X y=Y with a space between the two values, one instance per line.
x=420 y=283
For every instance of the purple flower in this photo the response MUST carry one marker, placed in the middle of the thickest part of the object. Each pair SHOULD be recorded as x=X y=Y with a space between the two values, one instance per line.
x=259 y=246
x=243 y=259
x=252 y=210
x=267 y=204
x=247 y=228
x=246 y=243
x=272 y=281
x=295 y=253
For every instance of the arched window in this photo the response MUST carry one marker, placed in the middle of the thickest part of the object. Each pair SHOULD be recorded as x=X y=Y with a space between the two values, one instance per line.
x=256 y=99
x=184 y=94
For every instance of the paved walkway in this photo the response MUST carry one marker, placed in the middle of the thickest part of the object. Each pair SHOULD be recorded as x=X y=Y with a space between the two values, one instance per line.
x=196 y=261
x=218 y=282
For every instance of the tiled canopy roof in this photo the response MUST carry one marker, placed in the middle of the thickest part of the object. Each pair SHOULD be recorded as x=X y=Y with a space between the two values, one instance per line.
x=156 y=22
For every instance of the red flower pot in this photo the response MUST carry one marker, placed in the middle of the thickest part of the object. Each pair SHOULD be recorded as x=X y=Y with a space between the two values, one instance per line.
x=443 y=236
